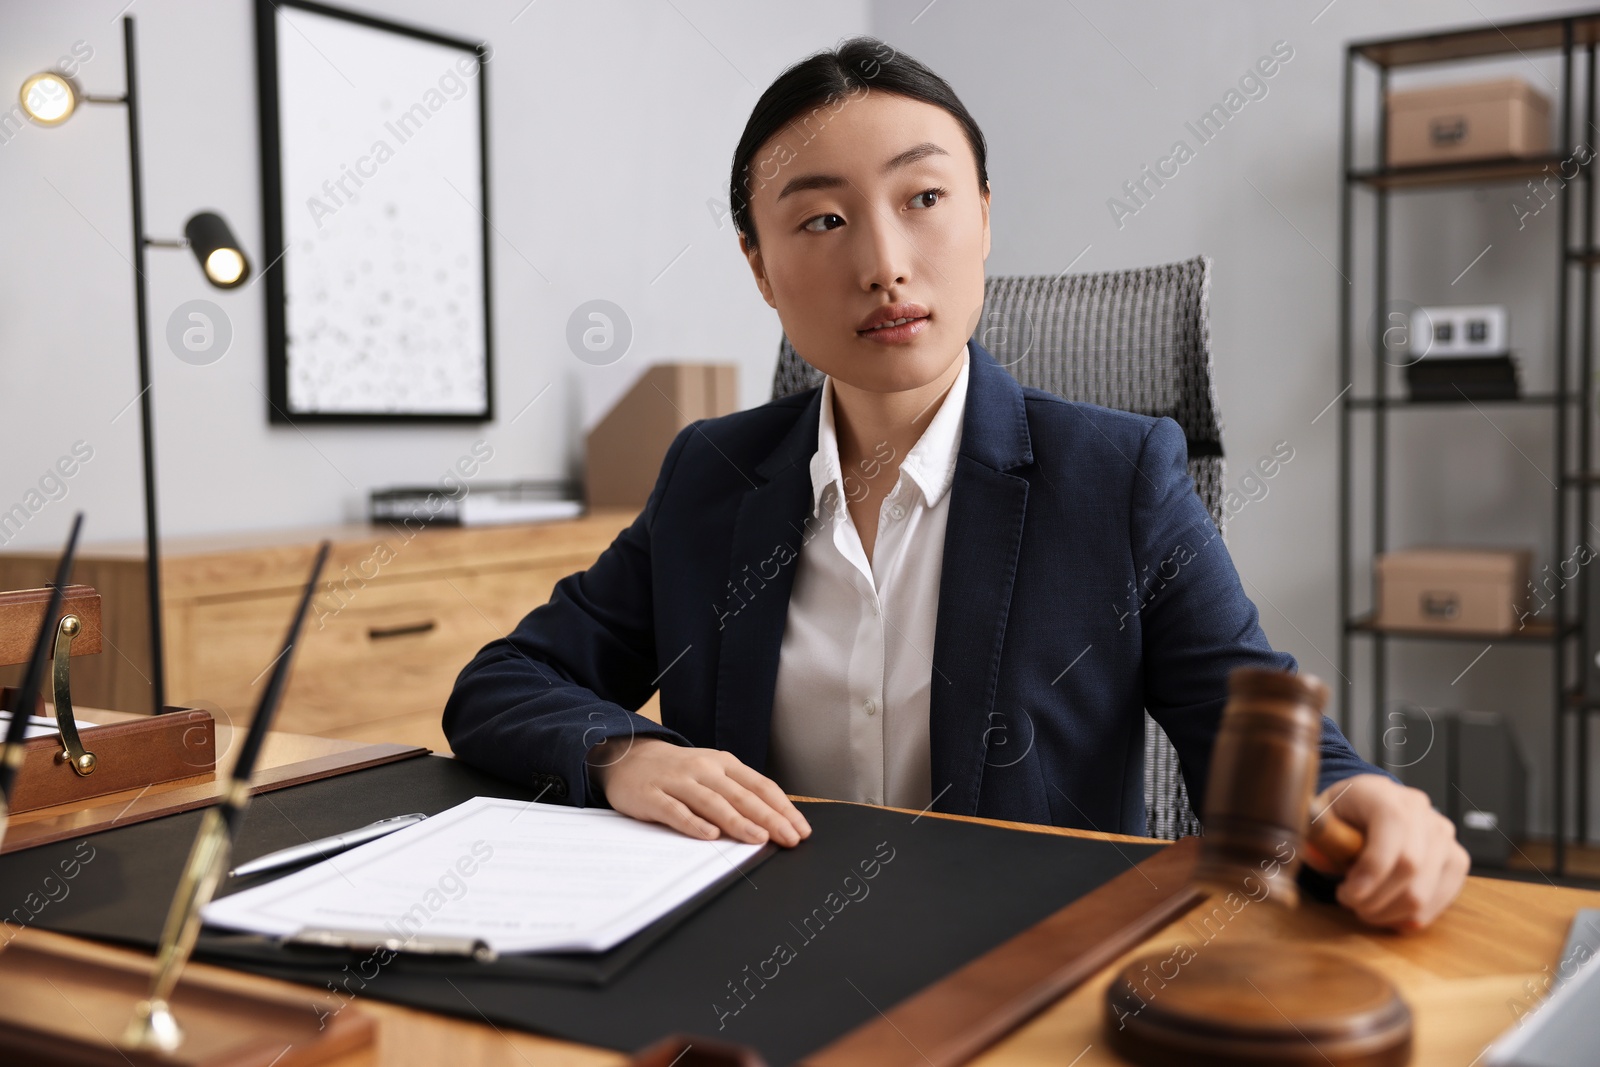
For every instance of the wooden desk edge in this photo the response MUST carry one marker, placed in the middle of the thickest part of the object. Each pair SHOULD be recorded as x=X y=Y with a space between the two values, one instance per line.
x=1030 y=827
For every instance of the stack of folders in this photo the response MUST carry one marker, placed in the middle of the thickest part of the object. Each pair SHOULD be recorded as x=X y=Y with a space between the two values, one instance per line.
x=509 y=876
x=1560 y=1030
x=485 y=504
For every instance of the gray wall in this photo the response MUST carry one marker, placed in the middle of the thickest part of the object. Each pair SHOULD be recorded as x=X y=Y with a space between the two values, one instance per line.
x=612 y=129
x=612 y=124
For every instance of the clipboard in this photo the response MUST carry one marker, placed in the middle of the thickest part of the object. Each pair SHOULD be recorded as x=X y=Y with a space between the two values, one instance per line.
x=580 y=968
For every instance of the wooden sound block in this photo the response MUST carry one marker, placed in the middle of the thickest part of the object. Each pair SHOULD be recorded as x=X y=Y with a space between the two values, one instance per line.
x=1256 y=1003
x=59 y=1006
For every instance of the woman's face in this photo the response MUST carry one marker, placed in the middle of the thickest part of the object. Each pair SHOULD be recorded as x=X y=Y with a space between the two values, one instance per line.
x=880 y=207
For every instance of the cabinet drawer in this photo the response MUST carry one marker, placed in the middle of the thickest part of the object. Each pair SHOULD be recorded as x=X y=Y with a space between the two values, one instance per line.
x=388 y=650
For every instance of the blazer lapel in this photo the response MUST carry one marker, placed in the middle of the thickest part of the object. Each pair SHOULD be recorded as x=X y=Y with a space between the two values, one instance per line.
x=983 y=539
x=768 y=533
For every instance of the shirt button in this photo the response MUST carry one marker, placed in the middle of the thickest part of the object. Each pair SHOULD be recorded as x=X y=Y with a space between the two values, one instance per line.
x=872 y=707
x=898 y=512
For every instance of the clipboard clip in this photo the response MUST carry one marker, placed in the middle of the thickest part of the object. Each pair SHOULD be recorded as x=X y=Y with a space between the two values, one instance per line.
x=367 y=941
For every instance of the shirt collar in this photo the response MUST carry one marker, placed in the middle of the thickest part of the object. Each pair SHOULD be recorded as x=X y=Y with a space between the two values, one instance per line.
x=931 y=462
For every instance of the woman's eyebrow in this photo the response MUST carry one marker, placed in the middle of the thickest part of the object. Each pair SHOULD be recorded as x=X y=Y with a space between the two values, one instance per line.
x=833 y=181
x=912 y=154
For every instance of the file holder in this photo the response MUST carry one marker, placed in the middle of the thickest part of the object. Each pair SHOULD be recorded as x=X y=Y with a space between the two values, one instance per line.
x=75 y=766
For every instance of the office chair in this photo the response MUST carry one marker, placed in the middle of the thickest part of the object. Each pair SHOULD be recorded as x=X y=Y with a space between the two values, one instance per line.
x=1136 y=340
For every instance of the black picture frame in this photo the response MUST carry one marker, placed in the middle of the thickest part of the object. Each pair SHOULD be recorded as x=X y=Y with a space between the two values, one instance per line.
x=281 y=260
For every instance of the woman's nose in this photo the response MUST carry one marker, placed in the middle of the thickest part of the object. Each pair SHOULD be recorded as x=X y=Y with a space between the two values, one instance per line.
x=886 y=255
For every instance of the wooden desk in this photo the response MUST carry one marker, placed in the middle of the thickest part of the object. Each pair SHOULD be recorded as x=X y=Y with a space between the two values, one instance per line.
x=399 y=612
x=1466 y=977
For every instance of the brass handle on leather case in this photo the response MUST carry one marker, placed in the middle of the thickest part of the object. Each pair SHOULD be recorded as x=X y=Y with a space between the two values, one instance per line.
x=72 y=750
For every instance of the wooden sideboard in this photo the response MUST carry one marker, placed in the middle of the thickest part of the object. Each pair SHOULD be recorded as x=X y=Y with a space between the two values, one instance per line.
x=398 y=615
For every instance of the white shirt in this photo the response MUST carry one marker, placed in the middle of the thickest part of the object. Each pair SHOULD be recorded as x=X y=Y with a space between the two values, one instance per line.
x=850 y=707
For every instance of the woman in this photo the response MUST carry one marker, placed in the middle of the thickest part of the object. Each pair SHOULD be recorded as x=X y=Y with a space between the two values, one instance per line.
x=919 y=584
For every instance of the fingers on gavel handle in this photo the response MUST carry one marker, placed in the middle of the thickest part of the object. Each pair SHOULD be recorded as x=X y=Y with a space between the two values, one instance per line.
x=1336 y=840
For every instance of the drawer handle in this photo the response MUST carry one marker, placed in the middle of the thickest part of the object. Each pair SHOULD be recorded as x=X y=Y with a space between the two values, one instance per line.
x=378 y=633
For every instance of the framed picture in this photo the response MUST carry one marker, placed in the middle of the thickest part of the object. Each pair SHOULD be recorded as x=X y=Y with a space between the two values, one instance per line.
x=376 y=202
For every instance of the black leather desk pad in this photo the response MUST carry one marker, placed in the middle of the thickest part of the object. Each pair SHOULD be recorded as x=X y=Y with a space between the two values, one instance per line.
x=786 y=958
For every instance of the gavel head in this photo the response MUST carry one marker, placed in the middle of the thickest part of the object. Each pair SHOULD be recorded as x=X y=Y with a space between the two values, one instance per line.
x=1263 y=776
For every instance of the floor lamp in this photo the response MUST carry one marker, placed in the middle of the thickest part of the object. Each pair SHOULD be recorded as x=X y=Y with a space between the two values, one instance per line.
x=49 y=99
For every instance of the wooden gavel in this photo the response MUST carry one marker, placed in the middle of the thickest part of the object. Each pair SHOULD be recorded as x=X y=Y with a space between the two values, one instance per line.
x=1260 y=812
x=1206 y=1003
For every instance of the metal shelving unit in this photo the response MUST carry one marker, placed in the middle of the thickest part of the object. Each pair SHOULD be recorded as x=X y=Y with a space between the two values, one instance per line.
x=1567 y=631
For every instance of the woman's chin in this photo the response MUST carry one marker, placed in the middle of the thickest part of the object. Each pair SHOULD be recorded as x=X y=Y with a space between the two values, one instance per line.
x=889 y=370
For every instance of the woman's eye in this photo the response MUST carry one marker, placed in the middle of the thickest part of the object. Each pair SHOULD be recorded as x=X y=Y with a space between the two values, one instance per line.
x=935 y=193
x=811 y=224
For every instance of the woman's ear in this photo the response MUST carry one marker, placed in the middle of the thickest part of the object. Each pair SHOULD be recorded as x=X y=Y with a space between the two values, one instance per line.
x=985 y=201
x=752 y=256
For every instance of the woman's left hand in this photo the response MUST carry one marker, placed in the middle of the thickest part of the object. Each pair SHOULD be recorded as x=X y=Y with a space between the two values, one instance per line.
x=1411 y=866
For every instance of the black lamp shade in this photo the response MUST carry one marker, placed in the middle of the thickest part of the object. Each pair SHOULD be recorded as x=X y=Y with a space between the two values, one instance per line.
x=221 y=257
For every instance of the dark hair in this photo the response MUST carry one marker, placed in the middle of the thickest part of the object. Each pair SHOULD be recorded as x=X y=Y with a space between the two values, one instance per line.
x=855 y=67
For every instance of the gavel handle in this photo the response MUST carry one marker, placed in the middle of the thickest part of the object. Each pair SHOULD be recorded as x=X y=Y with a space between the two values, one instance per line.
x=1334 y=839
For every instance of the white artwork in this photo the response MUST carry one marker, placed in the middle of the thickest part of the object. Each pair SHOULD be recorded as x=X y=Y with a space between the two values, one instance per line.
x=382 y=223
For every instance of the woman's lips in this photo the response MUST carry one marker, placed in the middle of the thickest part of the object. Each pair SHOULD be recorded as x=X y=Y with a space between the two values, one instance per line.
x=896 y=335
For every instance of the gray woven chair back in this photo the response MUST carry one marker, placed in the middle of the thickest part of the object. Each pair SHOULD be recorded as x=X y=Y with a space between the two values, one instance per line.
x=1136 y=340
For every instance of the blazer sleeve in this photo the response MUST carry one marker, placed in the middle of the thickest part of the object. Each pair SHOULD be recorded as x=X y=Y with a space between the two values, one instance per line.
x=573 y=672
x=1197 y=623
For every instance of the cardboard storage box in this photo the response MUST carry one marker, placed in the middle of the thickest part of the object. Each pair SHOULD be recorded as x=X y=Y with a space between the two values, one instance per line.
x=1481 y=120
x=624 y=451
x=1447 y=589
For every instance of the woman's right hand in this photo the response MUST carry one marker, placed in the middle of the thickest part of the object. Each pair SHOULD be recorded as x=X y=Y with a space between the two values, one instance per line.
x=702 y=792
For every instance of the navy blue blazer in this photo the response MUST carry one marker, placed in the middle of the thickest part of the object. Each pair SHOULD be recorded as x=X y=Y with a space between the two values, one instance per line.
x=1083 y=581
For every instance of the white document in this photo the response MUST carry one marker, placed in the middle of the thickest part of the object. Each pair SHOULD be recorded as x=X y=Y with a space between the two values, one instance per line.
x=38 y=725
x=521 y=877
